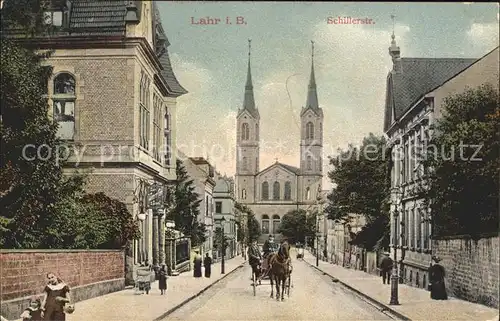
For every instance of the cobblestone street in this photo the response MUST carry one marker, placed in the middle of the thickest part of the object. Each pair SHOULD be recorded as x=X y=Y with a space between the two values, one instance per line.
x=313 y=297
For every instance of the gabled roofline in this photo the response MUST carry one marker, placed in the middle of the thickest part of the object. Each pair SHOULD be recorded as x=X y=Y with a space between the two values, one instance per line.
x=273 y=165
x=462 y=71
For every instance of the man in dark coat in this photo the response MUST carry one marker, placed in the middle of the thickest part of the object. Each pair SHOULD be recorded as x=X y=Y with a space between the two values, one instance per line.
x=268 y=246
x=436 y=280
x=207 y=263
x=254 y=258
x=386 y=266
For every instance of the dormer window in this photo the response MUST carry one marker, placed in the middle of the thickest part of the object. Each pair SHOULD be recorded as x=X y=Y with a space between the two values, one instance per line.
x=54 y=18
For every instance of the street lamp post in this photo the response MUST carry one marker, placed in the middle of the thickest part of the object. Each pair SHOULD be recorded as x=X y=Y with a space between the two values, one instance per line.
x=394 y=276
x=223 y=248
x=141 y=217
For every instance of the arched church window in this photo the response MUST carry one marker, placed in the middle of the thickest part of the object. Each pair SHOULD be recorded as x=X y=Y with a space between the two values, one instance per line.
x=265 y=224
x=309 y=130
x=308 y=193
x=244 y=165
x=256 y=131
x=243 y=194
x=309 y=163
x=276 y=223
x=276 y=191
x=265 y=191
x=288 y=191
x=245 y=132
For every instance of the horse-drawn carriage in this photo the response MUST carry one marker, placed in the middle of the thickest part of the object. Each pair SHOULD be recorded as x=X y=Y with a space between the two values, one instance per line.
x=300 y=251
x=275 y=267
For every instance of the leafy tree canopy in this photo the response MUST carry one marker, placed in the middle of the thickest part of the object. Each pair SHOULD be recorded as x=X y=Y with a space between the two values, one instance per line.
x=360 y=175
x=253 y=227
x=296 y=225
x=186 y=208
x=463 y=164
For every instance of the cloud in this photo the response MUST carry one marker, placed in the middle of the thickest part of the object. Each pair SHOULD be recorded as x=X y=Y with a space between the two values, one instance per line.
x=483 y=37
x=204 y=129
x=351 y=65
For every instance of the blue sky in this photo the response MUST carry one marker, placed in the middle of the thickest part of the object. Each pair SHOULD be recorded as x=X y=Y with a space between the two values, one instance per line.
x=351 y=64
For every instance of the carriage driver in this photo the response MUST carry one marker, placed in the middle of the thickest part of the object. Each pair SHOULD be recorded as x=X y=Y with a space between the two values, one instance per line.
x=268 y=245
x=254 y=258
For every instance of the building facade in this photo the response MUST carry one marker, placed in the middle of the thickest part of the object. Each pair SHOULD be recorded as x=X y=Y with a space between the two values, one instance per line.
x=225 y=214
x=203 y=175
x=271 y=192
x=416 y=89
x=113 y=93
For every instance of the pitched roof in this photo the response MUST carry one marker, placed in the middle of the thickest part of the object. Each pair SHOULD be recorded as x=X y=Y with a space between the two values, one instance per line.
x=418 y=77
x=290 y=168
x=97 y=17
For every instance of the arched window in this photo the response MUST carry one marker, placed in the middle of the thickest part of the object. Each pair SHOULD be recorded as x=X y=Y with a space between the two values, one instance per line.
x=309 y=163
x=265 y=191
x=288 y=191
x=265 y=224
x=243 y=194
x=64 y=96
x=276 y=224
x=276 y=191
x=308 y=193
x=256 y=131
x=245 y=132
x=244 y=165
x=309 y=130
x=206 y=206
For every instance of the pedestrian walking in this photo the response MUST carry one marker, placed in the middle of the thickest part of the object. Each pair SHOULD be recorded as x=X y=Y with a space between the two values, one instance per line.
x=207 y=263
x=197 y=265
x=386 y=266
x=34 y=311
x=436 y=280
x=162 y=278
x=56 y=296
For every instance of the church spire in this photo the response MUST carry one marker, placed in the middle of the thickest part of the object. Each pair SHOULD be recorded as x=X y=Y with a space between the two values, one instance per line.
x=312 y=95
x=394 y=50
x=249 y=101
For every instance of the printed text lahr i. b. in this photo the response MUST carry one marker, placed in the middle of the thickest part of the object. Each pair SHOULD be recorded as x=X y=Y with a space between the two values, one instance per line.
x=216 y=21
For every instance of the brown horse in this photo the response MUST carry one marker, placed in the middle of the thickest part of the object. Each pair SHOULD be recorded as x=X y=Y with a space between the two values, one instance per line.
x=279 y=270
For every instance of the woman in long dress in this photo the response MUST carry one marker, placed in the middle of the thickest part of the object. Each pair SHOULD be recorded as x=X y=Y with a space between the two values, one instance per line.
x=436 y=280
x=162 y=280
x=56 y=295
x=207 y=263
x=197 y=265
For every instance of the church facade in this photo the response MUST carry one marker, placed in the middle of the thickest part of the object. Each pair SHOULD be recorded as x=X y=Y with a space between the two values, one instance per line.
x=277 y=189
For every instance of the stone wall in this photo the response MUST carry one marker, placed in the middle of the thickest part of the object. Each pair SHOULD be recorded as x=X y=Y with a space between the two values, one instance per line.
x=472 y=267
x=89 y=273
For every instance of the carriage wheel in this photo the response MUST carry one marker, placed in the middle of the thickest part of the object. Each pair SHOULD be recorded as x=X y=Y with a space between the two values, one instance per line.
x=254 y=283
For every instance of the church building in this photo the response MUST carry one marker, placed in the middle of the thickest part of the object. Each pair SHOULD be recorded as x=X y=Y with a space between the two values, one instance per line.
x=275 y=190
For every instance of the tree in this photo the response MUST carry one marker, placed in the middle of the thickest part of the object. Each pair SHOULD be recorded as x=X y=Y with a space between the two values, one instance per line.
x=296 y=225
x=463 y=165
x=31 y=180
x=253 y=225
x=116 y=218
x=362 y=187
x=220 y=240
x=186 y=207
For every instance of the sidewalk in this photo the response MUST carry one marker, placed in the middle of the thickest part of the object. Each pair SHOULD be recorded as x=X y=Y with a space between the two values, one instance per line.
x=125 y=305
x=415 y=304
